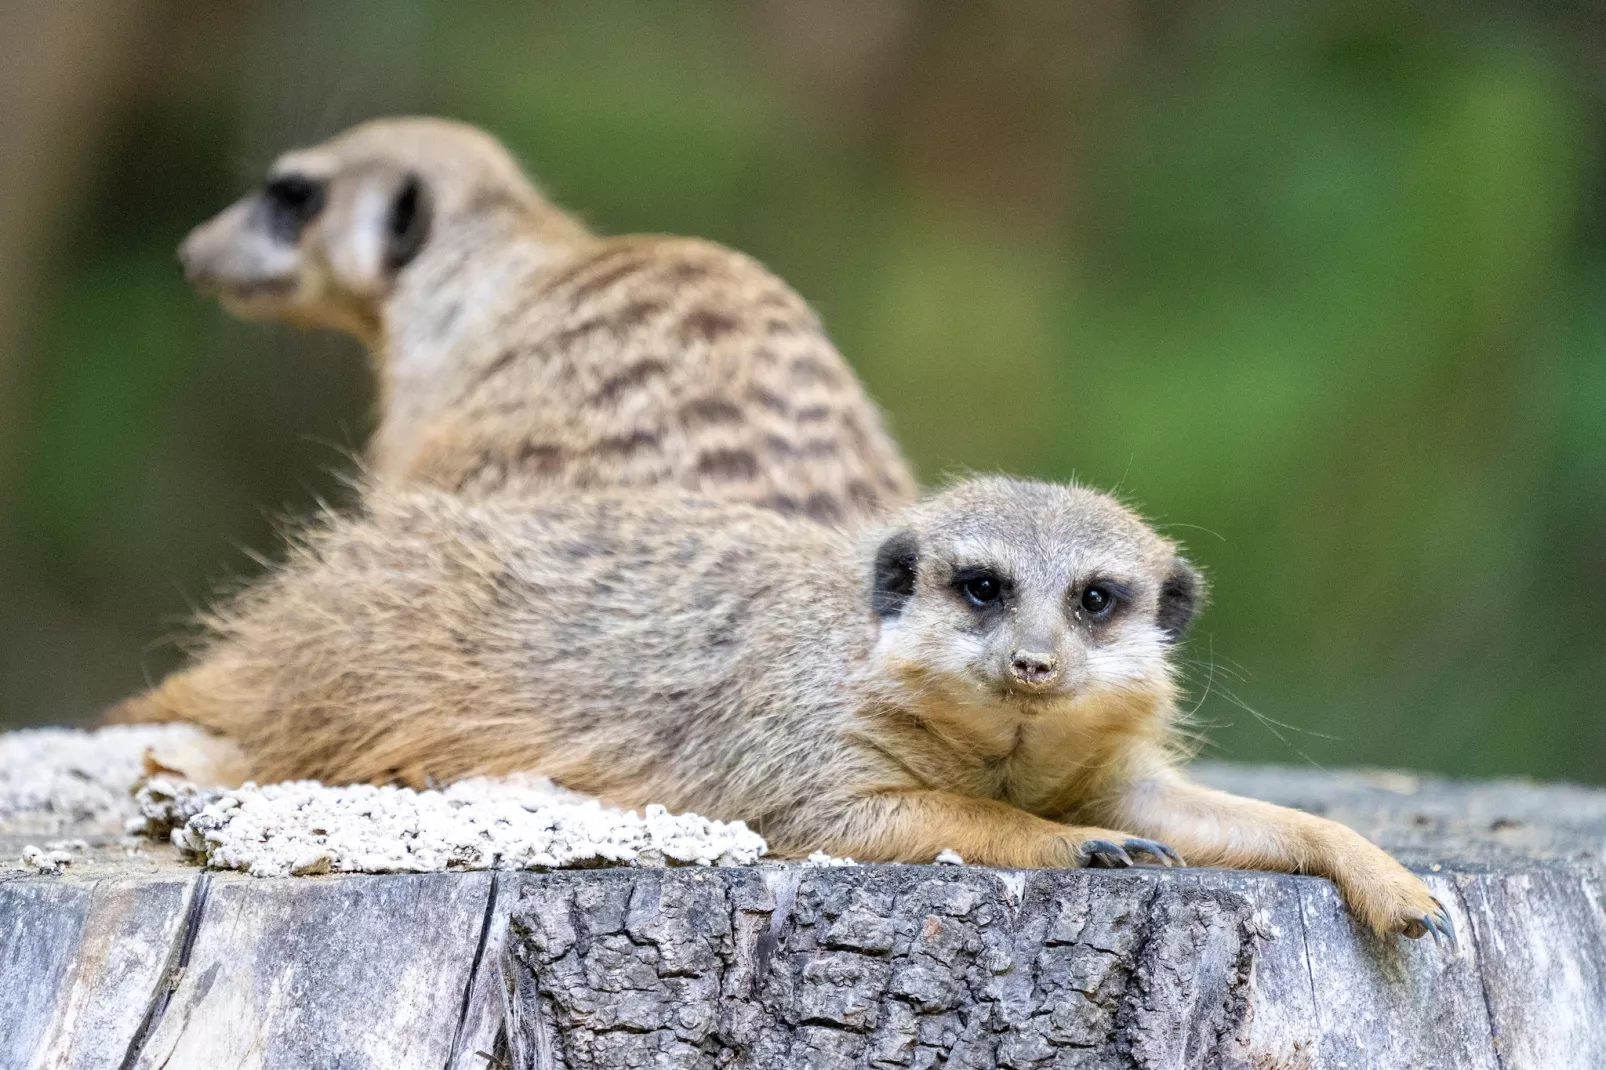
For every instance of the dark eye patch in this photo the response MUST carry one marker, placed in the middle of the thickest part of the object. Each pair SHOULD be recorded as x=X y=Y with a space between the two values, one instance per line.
x=289 y=203
x=982 y=588
x=1101 y=599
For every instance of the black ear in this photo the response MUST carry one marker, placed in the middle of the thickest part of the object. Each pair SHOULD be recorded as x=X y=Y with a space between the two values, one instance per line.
x=894 y=580
x=407 y=225
x=1181 y=595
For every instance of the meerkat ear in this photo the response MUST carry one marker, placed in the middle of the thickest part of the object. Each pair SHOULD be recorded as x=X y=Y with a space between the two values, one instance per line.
x=1181 y=595
x=894 y=580
x=407 y=224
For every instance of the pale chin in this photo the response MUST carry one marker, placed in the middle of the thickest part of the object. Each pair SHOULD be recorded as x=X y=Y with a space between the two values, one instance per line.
x=1038 y=701
x=257 y=301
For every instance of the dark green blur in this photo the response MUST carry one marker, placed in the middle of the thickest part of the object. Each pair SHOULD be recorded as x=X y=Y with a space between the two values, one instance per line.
x=1322 y=289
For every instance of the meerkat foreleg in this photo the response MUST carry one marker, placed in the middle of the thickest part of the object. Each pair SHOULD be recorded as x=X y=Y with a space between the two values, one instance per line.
x=1214 y=828
x=915 y=826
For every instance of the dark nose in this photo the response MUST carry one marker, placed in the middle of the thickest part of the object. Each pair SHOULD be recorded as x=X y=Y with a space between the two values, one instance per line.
x=1034 y=669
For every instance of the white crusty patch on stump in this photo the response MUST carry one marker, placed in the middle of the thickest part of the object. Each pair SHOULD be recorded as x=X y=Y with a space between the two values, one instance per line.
x=60 y=776
x=54 y=779
x=45 y=860
x=303 y=827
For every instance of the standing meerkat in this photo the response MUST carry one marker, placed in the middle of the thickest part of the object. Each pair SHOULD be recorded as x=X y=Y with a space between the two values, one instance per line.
x=516 y=352
x=990 y=672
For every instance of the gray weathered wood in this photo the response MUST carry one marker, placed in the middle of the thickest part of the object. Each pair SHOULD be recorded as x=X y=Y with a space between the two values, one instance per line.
x=1542 y=936
x=83 y=962
x=360 y=972
x=126 y=962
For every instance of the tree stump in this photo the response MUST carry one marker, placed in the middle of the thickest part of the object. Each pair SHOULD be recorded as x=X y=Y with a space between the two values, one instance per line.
x=146 y=962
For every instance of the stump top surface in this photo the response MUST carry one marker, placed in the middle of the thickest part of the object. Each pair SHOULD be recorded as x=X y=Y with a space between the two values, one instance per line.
x=143 y=960
x=1422 y=819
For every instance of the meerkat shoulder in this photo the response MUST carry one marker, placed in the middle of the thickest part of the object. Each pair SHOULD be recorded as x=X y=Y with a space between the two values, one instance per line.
x=668 y=361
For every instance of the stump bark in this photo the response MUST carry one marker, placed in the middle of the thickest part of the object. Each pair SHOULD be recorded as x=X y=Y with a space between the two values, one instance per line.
x=148 y=963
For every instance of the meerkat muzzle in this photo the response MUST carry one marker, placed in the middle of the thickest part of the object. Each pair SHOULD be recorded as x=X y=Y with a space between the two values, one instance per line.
x=196 y=264
x=228 y=256
x=1034 y=671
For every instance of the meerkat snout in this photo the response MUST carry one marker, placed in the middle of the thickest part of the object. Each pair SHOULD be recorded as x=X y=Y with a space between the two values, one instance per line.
x=1034 y=669
x=232 y=257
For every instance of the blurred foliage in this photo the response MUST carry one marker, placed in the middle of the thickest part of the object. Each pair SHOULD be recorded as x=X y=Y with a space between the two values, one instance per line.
x=1320 y=287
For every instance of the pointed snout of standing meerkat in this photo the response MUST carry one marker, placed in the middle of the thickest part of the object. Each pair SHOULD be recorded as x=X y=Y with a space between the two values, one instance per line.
x=231 y=257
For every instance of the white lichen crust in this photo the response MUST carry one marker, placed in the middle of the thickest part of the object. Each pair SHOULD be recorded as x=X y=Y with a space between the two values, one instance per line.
x=55 y=779
x=44 y=860
x=304 y=827
x=58 y=779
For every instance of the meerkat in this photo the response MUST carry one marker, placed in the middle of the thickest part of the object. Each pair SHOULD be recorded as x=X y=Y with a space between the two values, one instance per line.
x=988 y=671
x=517 y=352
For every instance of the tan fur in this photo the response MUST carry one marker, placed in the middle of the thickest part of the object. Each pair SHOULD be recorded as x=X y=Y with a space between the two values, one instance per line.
x=519 y=353
x=836 y=691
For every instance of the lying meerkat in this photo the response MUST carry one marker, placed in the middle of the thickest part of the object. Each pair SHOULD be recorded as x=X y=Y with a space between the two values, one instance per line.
x=989 y=673
x=518 y=352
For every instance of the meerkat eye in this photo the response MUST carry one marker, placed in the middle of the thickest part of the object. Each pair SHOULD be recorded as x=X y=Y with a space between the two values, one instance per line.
x=980 y=588
x=293 y=201
x=1099 y=599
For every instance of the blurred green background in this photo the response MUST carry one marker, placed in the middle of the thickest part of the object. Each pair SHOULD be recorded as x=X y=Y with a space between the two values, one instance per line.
x=1321 y=286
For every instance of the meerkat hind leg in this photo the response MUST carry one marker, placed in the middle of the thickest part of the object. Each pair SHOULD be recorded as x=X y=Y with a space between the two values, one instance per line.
x=915 y=826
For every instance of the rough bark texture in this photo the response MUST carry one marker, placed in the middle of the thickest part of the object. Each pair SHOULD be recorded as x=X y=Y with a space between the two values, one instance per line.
x=147 y=963
x=883 y=966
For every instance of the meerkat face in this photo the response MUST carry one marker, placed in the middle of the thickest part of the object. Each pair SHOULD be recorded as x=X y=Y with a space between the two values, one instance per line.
x=318 y=243
x=1030 y=595
x=323 y=239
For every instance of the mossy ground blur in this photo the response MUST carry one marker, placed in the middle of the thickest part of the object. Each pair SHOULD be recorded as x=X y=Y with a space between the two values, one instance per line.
x=1322 y=287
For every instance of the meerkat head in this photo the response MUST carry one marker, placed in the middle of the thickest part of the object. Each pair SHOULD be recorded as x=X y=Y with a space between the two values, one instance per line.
x=322 y=241
x=1030 y=595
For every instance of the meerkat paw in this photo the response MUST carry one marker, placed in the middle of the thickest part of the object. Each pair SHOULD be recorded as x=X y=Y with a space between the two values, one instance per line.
x=1392 y=899
x=1438 y=923
x=1103 y=849
x=1421 y=914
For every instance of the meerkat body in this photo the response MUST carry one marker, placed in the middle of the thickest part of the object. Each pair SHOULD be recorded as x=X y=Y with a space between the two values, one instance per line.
x=988 y=672
x=517 y=353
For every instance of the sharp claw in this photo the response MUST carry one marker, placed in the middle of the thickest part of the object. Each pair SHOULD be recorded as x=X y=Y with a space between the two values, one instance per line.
x=1104 y=853
x=1449 y=928
x=1160 y=851
x=1432 y=923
